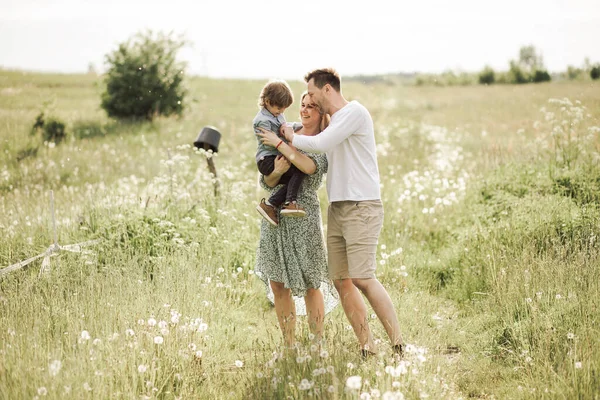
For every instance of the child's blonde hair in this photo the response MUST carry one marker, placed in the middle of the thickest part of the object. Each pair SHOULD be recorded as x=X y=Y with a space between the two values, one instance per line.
x=277 y=93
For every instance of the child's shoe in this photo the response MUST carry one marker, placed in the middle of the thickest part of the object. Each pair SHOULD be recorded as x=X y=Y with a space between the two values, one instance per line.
x=268 y=212
x=292 y=210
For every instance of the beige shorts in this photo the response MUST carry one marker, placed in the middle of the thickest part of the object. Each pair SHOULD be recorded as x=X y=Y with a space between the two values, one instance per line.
x=352 y=232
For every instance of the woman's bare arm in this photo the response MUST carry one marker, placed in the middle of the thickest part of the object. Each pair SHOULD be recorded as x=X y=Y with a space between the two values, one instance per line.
x=303 y=162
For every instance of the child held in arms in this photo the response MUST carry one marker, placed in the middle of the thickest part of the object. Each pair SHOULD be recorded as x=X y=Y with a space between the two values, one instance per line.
x=274 y=98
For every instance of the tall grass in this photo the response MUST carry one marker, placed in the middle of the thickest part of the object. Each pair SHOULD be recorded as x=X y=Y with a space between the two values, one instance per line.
x=489 y=249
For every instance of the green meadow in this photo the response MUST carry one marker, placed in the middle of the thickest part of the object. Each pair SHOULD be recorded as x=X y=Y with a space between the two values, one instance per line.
x=490 y=248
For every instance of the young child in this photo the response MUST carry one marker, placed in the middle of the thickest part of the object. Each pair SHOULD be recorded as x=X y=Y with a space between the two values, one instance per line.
x=274 y=98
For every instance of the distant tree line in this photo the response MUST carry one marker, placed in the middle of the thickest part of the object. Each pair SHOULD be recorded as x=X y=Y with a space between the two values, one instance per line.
x=528 y=68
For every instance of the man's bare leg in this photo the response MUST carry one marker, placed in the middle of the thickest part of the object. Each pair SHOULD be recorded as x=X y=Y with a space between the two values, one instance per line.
x=382 y=304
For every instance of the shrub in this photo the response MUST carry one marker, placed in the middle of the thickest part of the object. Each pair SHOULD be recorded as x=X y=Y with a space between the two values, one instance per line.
x=487 y=76
x=87 y=129
x=144 y=79
x=502 y=77
x=516 y=74
x=541 y=75
x=52 y=128
x=595 y=72
x=574 y=73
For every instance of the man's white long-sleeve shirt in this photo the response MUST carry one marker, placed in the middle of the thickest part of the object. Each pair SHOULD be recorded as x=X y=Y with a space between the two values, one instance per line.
x=349 y=142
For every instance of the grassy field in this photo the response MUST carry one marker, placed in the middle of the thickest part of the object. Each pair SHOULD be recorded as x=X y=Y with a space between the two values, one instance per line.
x=489 y=248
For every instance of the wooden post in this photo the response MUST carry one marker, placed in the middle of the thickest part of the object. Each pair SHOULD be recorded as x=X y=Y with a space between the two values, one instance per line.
x=212 y=169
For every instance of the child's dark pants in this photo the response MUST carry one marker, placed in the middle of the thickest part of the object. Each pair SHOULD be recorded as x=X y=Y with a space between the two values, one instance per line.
x=291 y=180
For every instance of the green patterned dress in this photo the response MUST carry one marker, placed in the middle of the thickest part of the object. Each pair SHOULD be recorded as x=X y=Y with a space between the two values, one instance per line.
x=294 y=252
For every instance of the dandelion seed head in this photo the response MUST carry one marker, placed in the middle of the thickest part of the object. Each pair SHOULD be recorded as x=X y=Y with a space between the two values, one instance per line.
x=54 y=367
x=354 y=382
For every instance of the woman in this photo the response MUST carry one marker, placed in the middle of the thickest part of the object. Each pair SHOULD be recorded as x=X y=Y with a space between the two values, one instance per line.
x=291 y=257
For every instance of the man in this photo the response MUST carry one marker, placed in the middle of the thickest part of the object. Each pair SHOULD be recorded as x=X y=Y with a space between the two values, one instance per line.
x=355 y=213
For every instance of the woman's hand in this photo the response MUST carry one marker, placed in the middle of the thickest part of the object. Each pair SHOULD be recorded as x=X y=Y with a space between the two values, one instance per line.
x=282 y=164
x=269 y=138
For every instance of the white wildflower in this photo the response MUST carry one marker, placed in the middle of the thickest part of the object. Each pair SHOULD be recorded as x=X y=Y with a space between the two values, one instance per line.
x=54 y=367
x=354 y=382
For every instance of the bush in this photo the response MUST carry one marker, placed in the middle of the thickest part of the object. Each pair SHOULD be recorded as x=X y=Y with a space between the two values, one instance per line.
x=487 y=76
x=516 y=74
x=52 y=128
x=574 y=73
x=595 y=72
x=88 y=129
x=54 y=131
x=144 y=79
x=541 y=76
x=502 y=77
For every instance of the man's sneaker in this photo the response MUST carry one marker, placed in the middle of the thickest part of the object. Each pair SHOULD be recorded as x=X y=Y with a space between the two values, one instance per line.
x=268 y=212
x=366 y=354
x=292 y=210
x=398 y=350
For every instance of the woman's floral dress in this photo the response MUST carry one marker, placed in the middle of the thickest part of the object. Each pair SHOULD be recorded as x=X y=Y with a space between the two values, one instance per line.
x=294 y=252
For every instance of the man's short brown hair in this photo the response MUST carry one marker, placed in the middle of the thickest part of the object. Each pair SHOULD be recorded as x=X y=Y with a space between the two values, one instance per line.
x=324 y=76
x=277 y=93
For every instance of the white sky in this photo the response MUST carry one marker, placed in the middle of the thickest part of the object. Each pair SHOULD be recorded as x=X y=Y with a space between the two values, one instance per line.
x=266 y=38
